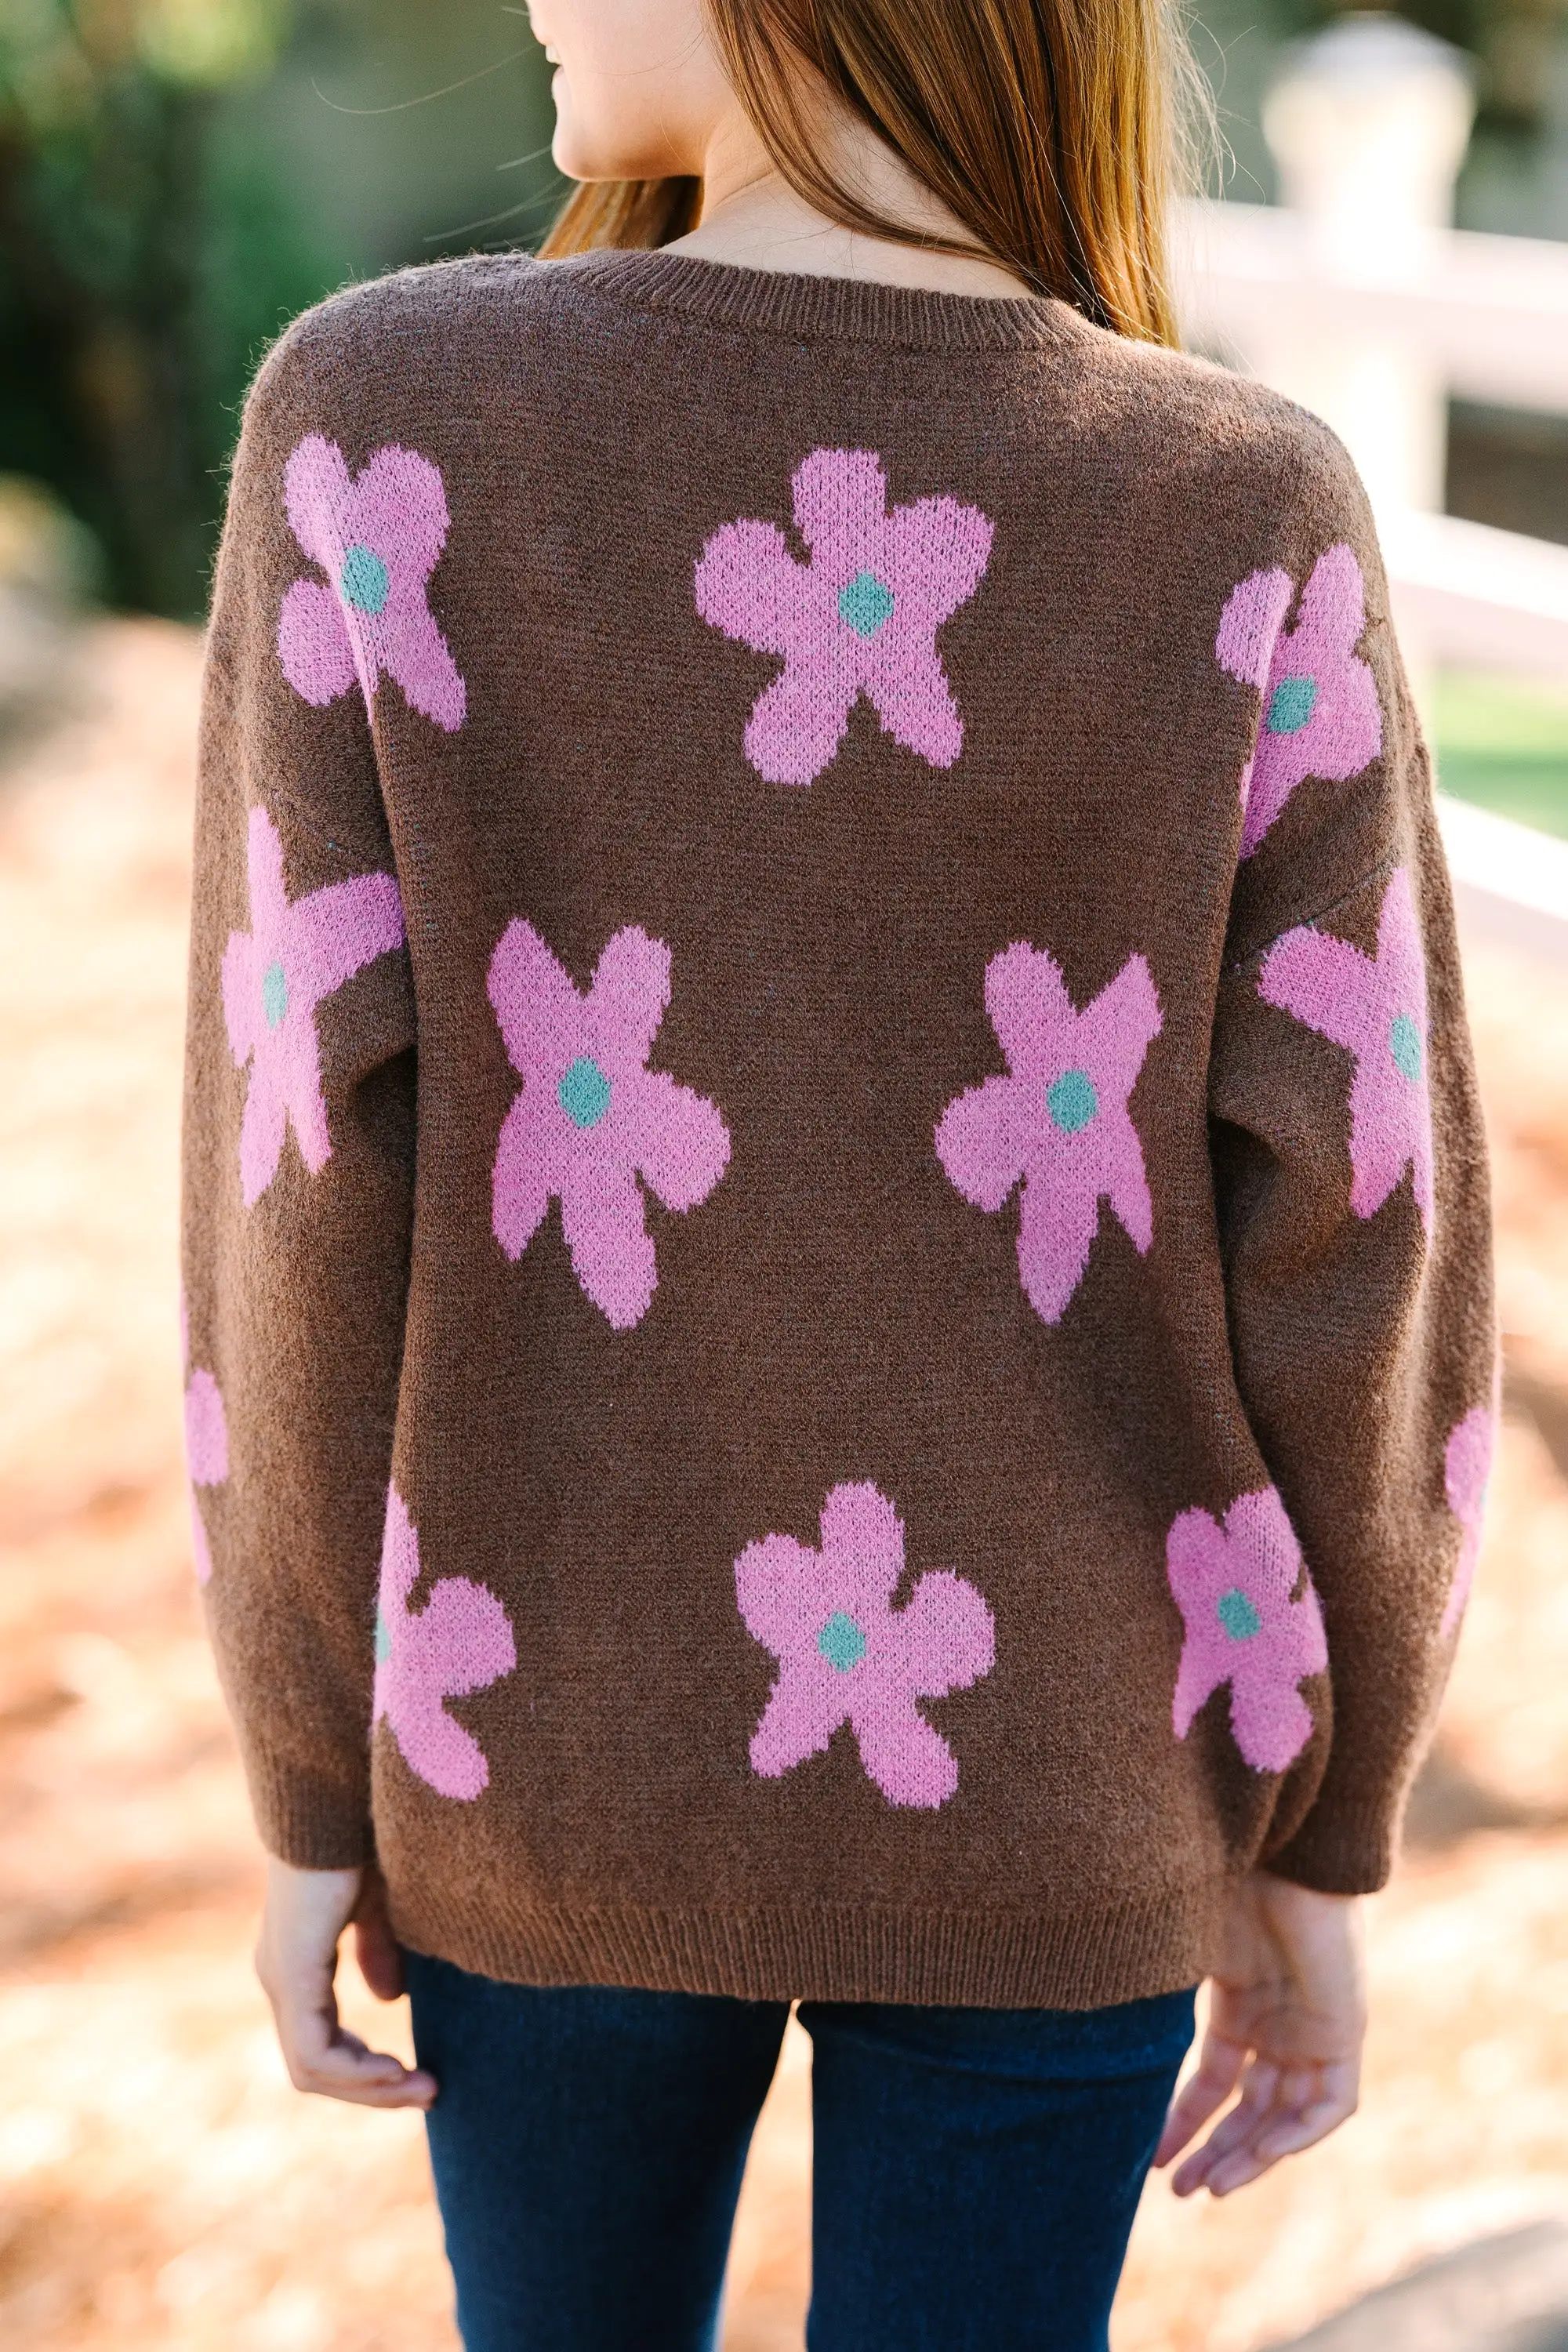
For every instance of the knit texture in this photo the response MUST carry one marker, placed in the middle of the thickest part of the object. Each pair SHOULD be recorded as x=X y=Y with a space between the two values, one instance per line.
x=834 y=1226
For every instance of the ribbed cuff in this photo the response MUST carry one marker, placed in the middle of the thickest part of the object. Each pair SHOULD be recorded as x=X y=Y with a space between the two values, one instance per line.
x=1339 y=1852
x=310 y=1821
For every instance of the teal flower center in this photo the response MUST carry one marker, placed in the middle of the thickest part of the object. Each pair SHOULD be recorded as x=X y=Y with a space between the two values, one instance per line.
x=1072 y=1101
x=1405 y=1045
x=1291 y=704
x=585 y=1092
x=275 y=994
x=1238 y=1615
x=383 y=1640
x=841 y=1643
x=364 y=580
x=865 y=604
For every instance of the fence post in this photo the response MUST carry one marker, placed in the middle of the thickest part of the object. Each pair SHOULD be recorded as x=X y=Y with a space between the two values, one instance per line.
x=1368 y=124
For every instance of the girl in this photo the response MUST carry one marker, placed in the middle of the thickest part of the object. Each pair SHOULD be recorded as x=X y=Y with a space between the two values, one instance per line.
x=835 y=1232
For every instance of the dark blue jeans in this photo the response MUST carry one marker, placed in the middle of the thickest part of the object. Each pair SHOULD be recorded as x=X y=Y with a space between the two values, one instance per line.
x=975 y=2171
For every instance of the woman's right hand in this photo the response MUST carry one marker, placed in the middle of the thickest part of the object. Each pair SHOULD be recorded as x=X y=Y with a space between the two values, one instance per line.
x=297 y=1959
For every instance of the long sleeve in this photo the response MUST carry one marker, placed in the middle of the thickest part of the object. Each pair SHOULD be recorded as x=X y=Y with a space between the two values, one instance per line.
x=299 y=1161
x=1350 y=1181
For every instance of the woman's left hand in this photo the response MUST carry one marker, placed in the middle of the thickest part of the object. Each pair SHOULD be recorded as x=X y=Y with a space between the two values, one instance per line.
x=1287 y=2018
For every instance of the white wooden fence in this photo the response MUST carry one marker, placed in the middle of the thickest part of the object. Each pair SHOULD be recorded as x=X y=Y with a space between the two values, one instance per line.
x=1357 y=299
x=1483 y=317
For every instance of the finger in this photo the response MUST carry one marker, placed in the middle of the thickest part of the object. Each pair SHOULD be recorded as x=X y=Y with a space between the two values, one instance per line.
x=1300 y=2086
x=379 y=1954
x=1231 y=2168
x=1291 y=2133
x=1192 y=2107
x=1286 y=2136
x=347 y=2069
x=1280 y=2132
x=322 y=2056
x=1219 y=2070
x=1234 y=2132
x=1307 y=2125
x=369 y=2079
x=1231 y=2131
x=1236 y=2172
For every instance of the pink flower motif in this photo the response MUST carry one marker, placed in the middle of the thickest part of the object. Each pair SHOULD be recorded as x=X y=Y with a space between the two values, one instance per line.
x=377 y=538
x=860 y=617
x=1320 y=714
x=1376 y=1010
x=1059 y=1120
x=206 y=1442
x=847 y=1656
x=1466 y=1467
x=592 y=1117
x=1234 y=1586
x=274 y=976
x=459 y=1642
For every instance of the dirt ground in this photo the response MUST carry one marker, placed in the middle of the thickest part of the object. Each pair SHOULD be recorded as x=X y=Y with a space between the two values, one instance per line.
x=160 y=2184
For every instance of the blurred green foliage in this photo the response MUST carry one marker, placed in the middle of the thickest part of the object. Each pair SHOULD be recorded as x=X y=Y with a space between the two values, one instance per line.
x=142 y=261
x=173 y=188
x=1503 y=743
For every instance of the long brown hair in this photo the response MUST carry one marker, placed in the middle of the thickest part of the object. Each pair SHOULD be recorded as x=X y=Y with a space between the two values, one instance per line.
x=1052 y=129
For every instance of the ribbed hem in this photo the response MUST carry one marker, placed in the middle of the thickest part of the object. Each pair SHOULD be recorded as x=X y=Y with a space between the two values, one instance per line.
x=981 y=1959
x=812 y=310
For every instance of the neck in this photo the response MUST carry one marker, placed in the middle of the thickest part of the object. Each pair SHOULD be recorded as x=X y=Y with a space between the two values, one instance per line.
x=752 y=218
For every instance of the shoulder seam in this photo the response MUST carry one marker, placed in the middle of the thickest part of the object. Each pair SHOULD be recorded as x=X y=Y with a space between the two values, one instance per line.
x=1315 y=915
x=341 y=849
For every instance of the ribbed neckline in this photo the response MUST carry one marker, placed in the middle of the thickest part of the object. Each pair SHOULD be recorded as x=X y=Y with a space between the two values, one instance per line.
x=822 y=310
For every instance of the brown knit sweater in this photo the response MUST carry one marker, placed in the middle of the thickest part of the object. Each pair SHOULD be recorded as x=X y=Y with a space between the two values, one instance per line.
x=836 y=1228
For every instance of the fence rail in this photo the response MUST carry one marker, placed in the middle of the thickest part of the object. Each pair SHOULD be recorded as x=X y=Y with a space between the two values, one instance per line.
x=1490 y=313
x=1357 y=299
